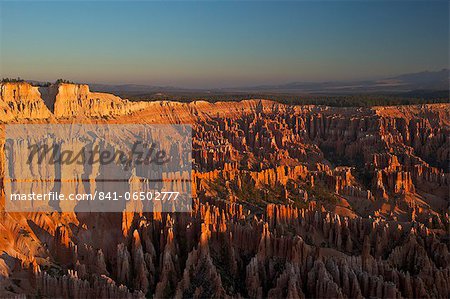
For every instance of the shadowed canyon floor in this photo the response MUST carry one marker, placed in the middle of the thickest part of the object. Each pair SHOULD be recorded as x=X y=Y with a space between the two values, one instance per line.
x=289 y=201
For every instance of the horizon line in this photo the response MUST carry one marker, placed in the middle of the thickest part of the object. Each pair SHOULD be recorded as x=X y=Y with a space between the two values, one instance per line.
x=253 y=85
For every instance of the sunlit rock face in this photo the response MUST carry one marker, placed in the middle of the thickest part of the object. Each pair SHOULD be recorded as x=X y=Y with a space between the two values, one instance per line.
x=289 y=201
x=76 y=99
x=20 y=101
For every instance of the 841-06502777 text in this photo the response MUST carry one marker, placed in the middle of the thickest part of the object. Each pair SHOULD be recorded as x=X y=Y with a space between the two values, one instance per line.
x=97 y=195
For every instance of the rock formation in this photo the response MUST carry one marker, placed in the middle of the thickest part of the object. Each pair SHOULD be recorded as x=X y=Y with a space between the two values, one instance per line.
x=289 y=201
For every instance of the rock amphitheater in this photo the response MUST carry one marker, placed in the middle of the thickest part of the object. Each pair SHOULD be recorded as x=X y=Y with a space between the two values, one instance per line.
x=289 y=202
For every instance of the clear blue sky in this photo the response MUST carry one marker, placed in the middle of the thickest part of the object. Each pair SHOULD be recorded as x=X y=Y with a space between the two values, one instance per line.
x=220 y=44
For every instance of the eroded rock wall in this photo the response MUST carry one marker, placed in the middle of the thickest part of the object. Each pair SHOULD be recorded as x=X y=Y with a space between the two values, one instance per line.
x=297 y=202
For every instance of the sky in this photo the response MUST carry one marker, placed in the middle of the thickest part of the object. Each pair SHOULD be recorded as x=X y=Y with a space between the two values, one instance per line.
x=206 y=44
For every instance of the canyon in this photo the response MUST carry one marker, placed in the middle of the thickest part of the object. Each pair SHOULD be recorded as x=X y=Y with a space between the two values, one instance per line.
x=288 y=201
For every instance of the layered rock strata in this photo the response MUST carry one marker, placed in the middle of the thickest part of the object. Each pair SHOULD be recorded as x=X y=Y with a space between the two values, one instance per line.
x=289 y=201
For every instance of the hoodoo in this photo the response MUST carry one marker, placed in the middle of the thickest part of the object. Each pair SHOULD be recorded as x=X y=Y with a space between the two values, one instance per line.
x=289 y=201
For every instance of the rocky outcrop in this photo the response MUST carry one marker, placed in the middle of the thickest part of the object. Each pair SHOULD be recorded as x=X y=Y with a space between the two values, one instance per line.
x=76 y=99
x=222 y=248
x=297 y=202
x=19 y=101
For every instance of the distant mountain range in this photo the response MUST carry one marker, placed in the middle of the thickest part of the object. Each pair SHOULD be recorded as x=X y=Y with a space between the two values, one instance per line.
x=412 y=83
x=421 y=81
x=135 y=89
x=430 y=81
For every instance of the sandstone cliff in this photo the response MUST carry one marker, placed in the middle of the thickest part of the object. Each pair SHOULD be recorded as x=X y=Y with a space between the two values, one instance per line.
x=20 y=101
x=289 y=201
